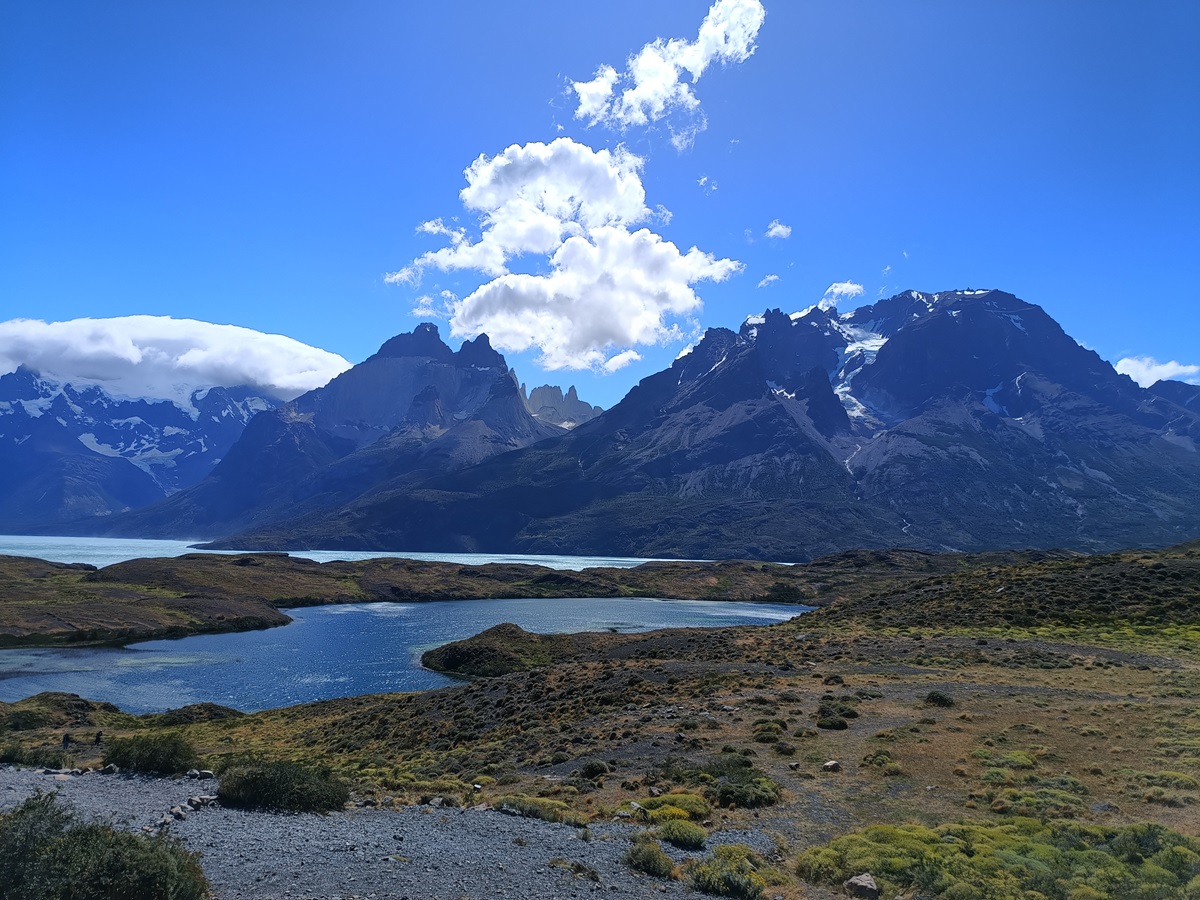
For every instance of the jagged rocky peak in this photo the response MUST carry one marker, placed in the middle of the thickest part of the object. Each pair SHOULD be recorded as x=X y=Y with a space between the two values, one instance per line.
x=549 y=404
x=422 y=341
x=480 y=354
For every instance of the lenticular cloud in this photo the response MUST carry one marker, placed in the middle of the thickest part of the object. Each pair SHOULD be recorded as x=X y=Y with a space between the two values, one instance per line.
x=158 y=357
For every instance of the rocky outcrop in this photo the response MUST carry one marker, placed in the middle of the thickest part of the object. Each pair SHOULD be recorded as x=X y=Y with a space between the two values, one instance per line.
x=548 y=404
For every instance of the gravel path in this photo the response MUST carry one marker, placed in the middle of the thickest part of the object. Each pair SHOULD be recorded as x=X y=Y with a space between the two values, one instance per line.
x=416 y=852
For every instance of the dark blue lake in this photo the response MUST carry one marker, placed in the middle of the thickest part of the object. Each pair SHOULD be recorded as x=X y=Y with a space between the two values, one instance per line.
x=333 y=651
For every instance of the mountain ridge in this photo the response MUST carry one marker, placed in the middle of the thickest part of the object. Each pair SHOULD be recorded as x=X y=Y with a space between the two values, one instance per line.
x=956 y=420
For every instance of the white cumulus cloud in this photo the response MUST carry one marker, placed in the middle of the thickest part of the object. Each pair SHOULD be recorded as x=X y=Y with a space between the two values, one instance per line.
x=530 y=199
x=778 y=230
x=769 y=279
x=159 y=357
x=652 y=87
x=1146 y=370
x=597 y=288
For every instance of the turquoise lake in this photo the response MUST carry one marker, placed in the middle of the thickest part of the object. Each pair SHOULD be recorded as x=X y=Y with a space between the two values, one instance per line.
x=327 y=651
x=333 y=651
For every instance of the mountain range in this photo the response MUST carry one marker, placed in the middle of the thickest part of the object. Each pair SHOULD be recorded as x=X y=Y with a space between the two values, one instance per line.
x=74 y=450
x=958 y=420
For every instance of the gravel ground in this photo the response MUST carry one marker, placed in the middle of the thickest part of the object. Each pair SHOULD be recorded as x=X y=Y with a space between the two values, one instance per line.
x=416 y=852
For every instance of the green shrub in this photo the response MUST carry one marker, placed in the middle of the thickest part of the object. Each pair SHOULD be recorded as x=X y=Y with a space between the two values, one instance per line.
x=683 y=834
x=1059 y=860
x=695 y=806
x=832 y=723
x=645 y=855
x=1167 y=780
x=158 y=754
x=44 y=855
x=534 y=807
x=938 y=698
x=280 y=786
x=45 y=757
x=749 y=794
x=593 y=768
x=1017 y=759
x=731 y=871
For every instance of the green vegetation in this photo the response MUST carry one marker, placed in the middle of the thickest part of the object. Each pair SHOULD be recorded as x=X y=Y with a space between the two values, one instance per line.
x=682 y=834
x=691 y=805
x=645 y=855
x=1060 y=722
x=1057 y=861
x=46 y=855
x=280 y=786
x=733 y=870
x=46 y=757
x=157 y=754
x=543 y=808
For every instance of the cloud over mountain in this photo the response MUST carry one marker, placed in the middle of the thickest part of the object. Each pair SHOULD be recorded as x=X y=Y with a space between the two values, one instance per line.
x=1146 y=370
x=597 y=288
x=651 y=87
x=161 y=357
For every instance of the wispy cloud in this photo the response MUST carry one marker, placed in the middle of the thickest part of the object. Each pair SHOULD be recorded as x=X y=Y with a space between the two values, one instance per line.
x=770 y=279
x=1146 y=370
x=159 y=357
x=839 y=291
x=778 y=230
x=651 y=87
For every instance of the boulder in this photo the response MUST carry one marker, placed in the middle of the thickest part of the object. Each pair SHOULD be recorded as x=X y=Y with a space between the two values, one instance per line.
x=862 y=886
x=832 y=766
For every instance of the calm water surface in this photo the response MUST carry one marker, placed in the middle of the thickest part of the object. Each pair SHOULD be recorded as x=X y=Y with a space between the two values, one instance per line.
x=106 y=551
x=333 y=651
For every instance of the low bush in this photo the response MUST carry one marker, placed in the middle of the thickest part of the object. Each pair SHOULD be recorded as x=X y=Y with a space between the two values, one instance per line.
x=46 y=757
x=157 y=754
x=749 y=794
x=534 y=807
x=683 y=834
x=1058 y=860
x=695 y=806
x=645 y=855
x=731 y=871
x=832 y=723
x=45 y=855
x=593 y=768
x=938 y=698
x=280 y=786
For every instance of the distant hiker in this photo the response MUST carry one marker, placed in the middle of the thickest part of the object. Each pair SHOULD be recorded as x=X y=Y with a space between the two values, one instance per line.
x=66 y=742
x=99 y=737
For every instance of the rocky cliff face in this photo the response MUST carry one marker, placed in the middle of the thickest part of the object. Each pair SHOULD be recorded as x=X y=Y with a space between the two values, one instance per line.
x=964 y=419
x=550 y=405
x=70 y=451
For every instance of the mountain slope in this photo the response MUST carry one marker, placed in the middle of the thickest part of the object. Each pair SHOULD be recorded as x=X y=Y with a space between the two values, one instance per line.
x=414 y=409
x=962 y=420
x=70 y=451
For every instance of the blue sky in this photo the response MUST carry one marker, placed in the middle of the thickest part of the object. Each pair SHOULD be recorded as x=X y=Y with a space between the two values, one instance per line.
x=271 y=164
